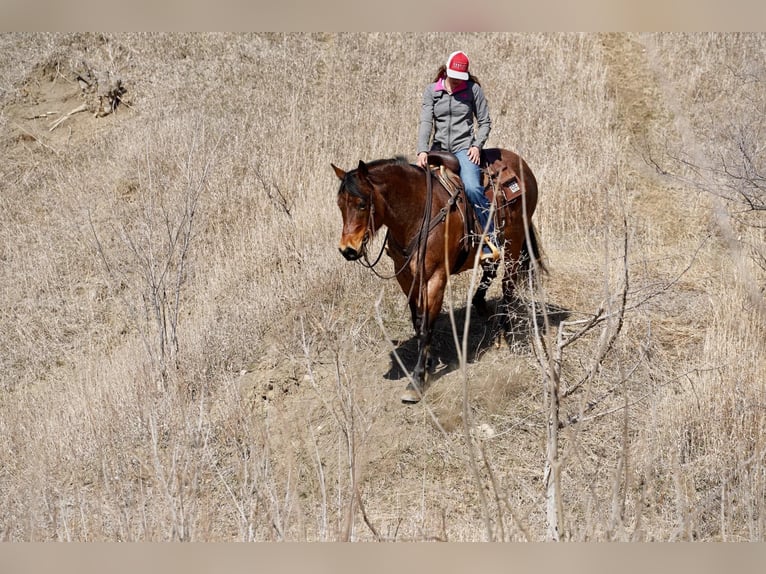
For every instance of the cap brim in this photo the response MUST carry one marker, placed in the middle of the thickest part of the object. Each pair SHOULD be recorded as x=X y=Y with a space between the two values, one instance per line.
x=457 y=75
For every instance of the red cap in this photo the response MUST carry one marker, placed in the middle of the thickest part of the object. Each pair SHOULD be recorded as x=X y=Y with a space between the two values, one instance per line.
x=457 y=66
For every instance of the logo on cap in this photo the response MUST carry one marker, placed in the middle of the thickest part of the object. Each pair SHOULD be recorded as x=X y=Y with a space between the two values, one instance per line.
x=457 y=66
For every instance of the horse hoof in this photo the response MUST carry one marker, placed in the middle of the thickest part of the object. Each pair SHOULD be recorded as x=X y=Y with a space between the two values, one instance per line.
x=411 y=397
x=482 y=308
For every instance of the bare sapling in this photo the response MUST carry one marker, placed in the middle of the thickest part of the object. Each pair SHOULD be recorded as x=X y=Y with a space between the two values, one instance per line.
x=159 y=247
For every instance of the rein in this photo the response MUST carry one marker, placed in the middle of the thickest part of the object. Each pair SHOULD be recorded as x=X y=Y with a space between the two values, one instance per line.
x=422 y=237
x=372 y=265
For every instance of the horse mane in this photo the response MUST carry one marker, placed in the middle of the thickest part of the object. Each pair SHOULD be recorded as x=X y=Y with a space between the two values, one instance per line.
x=351 y=181
x=397 y=160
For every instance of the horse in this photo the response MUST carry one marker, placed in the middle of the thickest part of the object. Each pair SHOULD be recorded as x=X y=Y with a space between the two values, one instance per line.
x=431 y=233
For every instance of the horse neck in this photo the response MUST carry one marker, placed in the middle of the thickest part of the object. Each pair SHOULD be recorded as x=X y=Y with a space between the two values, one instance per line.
x=401 y=199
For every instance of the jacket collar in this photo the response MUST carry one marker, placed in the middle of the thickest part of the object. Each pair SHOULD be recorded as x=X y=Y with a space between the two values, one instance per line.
x=439 y=86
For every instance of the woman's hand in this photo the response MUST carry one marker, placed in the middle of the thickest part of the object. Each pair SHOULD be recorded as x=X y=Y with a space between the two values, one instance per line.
x=423 y=159
x=474 y=154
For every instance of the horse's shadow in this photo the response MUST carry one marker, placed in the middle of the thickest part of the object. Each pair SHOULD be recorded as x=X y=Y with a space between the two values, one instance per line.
x=516 y=329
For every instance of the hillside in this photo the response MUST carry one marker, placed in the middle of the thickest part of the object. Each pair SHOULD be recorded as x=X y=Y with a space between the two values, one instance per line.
x=186 y=356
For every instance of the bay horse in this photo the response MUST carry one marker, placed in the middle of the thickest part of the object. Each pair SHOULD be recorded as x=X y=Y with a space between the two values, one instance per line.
x=430 y=227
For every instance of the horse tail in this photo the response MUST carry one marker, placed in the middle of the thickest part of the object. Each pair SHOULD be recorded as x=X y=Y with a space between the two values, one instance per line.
x=531 y=250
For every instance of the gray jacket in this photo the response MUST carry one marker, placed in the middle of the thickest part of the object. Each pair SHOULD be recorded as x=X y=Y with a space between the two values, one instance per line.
x=450 y=117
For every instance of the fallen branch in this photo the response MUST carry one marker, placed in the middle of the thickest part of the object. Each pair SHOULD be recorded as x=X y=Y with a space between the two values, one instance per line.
x=58 y=122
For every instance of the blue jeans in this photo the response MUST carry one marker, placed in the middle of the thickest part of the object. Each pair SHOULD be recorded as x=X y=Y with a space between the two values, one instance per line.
x=471 y=176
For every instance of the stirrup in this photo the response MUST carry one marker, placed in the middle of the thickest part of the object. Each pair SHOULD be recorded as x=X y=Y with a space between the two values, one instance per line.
x=494 y=254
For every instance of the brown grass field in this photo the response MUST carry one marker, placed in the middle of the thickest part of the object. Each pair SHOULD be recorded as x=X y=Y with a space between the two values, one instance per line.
x=186 y=356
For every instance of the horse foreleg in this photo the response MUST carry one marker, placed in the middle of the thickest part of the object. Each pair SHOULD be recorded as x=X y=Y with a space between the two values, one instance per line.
x=424 y=314
x=414 y=391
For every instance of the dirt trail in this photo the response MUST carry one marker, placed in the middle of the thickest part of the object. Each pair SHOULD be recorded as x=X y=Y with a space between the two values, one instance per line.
x=659 y=206
x=634 y=85
x=639 y=104
x=667 y=219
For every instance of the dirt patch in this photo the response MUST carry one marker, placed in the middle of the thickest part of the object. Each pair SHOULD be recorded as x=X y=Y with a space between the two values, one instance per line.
x=57 y=106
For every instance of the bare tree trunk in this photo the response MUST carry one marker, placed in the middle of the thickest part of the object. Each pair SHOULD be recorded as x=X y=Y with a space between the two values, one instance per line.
x=552 y=474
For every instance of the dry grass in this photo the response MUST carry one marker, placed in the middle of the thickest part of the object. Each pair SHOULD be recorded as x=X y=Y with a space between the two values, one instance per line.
x=186 y=357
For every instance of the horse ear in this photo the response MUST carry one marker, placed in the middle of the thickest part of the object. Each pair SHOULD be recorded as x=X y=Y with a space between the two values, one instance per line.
x=338 y=171
x=362 y=169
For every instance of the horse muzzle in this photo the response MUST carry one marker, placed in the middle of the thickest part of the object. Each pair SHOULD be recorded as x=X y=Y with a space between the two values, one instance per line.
x=350 y=253
x=352 y=248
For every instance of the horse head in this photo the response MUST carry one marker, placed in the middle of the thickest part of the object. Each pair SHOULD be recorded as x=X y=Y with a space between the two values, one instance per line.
x=356 y=207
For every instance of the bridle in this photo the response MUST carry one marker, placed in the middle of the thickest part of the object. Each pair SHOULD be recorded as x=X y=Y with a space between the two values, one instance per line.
x=417 y=243
x=367 y=236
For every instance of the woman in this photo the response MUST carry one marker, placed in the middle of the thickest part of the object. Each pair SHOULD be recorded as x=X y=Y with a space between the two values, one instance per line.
x=449 y=107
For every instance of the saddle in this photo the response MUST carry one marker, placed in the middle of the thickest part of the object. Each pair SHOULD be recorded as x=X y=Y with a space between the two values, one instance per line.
x=500 y=182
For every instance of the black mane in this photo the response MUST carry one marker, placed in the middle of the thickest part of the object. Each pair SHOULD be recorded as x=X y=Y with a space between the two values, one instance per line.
x=350 y=183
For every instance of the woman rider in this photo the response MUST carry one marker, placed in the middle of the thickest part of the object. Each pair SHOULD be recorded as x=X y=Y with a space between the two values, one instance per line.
x=450 y=104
